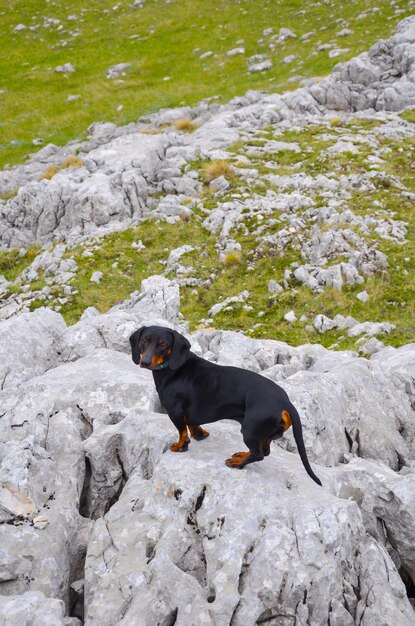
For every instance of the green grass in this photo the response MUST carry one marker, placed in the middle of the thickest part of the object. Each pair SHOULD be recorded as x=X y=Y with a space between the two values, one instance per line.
x=171 y=37
x=392 y=293
x=12 y=263
x=162 y=39
x=133 y=265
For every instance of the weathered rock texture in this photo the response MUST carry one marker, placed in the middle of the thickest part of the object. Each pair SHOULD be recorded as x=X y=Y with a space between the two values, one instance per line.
x=101 y=522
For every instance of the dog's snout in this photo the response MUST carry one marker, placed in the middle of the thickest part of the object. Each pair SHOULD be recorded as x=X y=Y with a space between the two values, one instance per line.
x=145 y=361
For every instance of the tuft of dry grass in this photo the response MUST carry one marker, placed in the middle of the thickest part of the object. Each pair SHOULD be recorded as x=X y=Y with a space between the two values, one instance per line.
x=214 y=169
x=49 y=172
x=184 y=124
x=70 y=162
x=232 y=258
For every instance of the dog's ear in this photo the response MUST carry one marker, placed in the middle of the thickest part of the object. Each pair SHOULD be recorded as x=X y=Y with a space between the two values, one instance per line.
x=134 y=341
x=180 y=350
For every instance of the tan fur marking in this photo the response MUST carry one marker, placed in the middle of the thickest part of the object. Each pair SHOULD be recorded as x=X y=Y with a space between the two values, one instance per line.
x=175 y=447
x=286 y=418
x=237 y=459
x=156 y=360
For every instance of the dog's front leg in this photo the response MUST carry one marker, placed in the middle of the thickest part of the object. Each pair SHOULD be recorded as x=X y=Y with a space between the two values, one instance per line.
x=183 y=443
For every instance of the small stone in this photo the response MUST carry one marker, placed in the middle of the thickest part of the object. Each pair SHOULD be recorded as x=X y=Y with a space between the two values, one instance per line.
x=286 y=33
x=65 y=69
x=290 y=316
x=40 y=522
x=219 y=184
x=290 y=58
x=363 y=296
x=235 y=51
x=322 y=323
x=96 y=277
x=344 y=32
x=18 y=28
x=274 y=287
x=38 y=141
x=72 y=97
x=205 y=55
x=116 y=70
x=260 y=67
x=337 y=52
x=138 y=245
x=369 y=346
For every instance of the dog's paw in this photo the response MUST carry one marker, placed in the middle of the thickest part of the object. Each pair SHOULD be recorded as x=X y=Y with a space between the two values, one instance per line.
x=241 y=455
x=198 y=433
x=237 y=460
x=179 y=446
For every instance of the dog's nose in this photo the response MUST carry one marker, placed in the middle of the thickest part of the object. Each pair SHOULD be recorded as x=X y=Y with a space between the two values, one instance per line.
x=145 y=362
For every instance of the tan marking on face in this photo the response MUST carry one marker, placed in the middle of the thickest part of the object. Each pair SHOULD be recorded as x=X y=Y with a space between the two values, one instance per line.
x=286 y=418
x=156 y=360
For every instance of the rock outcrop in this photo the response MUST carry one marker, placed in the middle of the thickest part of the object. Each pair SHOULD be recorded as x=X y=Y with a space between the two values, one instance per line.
x=101 y=522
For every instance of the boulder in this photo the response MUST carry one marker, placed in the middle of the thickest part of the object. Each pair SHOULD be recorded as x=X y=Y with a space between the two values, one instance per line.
x=30 y=344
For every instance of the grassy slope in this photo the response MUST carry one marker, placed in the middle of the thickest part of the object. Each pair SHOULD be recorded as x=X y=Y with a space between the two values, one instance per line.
x=162 y=39
x=34 y=104
x=392 y=294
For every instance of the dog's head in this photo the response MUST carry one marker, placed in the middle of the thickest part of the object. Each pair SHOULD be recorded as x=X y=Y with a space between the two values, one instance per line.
x=157 y=347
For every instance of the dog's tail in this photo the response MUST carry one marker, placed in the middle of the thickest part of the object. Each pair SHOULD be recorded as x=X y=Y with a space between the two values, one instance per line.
x=298 y=436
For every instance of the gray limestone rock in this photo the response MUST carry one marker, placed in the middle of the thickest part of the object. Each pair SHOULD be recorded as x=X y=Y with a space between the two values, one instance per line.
x=165 y=534
x=381 y=79
x=30 y=344
x=34 y=607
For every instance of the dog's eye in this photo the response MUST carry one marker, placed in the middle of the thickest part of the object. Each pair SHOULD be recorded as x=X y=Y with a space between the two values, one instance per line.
x=145 y=340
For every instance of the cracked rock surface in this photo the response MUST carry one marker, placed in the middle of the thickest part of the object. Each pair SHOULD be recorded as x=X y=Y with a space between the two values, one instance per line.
x=101 y=522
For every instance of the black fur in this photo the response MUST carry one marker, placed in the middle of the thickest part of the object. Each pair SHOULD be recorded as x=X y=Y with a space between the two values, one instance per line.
x=195 y=391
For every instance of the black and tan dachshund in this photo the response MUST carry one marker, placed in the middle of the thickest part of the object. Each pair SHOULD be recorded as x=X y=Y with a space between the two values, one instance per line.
x=195 y=391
